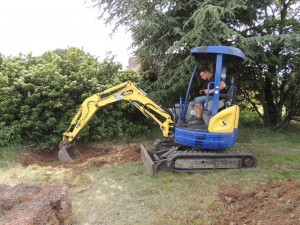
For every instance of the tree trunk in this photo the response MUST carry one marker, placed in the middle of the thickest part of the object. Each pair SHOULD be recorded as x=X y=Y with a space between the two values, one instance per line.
x=270 y=110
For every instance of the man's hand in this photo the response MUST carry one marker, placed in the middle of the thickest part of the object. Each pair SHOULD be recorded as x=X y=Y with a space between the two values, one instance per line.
x=203 y=91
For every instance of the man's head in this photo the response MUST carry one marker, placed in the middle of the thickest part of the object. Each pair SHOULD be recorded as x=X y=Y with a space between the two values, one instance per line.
x=206 y=73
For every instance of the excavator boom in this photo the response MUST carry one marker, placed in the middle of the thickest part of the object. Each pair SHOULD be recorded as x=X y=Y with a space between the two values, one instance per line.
x=125 y=91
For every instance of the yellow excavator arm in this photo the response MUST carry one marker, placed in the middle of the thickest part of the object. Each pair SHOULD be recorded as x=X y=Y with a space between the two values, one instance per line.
x=125 y=91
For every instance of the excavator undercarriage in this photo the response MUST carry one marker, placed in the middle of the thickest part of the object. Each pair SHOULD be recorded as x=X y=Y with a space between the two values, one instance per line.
x=182 y=159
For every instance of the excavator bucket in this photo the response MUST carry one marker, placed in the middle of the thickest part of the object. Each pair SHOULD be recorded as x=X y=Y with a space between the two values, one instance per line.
x=67 y=152
x=148 y=162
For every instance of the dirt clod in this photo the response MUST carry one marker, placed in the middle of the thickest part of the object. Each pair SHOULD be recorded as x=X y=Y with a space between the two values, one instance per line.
x=274 y=203
x=35 y=204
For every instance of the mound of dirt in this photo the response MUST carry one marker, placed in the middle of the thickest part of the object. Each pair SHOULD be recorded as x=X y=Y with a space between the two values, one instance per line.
x=275 y=203
x=35 y=204
x=95 y=154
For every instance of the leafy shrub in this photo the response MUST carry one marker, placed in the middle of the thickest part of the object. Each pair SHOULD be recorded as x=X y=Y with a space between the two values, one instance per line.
x=40 y=95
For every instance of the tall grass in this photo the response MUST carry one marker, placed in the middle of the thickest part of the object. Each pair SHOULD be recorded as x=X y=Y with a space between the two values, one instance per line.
x=9 y=154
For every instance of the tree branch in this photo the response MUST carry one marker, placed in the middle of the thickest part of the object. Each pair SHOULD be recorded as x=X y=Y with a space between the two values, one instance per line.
x=245 y=93
x=286 y=121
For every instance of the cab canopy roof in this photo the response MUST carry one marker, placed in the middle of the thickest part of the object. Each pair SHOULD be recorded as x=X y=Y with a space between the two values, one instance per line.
x=209 y=53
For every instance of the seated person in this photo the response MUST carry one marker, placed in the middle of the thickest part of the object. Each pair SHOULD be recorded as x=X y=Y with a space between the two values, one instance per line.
x=207 y=75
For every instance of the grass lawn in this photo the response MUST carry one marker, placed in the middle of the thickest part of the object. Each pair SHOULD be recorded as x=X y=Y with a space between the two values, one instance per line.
x=125 y=194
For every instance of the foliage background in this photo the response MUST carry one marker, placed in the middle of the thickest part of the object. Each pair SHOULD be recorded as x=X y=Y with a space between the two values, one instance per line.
x=40 y=96
x=267 y=31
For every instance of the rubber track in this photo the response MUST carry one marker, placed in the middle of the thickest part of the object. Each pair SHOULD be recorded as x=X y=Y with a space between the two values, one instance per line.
x=199 y=154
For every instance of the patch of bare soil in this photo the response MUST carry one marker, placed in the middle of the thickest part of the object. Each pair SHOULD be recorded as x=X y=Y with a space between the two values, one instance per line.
x=91 y=155
x=275 y=203
x=35 y=204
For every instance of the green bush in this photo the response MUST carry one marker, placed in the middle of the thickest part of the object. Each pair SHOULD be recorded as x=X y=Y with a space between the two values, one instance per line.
x=250 y=119
x=40 y=96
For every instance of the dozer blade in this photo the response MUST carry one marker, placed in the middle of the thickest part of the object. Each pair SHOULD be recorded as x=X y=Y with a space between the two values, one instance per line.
x=67 y=151
x=148 y=162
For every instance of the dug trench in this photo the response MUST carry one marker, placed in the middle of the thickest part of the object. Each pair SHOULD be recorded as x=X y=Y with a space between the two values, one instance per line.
x=93 y=155
x=275 y=203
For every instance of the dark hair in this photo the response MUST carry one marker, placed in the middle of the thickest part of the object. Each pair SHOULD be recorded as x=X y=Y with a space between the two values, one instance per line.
x=206 y=69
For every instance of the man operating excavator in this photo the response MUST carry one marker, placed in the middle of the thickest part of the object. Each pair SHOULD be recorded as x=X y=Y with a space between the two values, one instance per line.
x=207 y=76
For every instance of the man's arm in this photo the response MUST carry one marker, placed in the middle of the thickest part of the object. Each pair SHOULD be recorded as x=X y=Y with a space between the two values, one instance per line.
x=211 y=91
x=222 y=85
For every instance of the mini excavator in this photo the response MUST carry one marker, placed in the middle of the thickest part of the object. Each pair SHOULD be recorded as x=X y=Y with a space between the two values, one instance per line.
x=185 y=147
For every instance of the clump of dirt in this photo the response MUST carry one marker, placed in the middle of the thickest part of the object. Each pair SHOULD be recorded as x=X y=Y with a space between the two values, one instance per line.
x=96 y=154
x=274 y=203
x=35 y=204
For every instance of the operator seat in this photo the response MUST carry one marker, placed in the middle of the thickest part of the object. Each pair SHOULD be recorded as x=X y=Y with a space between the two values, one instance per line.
x=226 y=100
